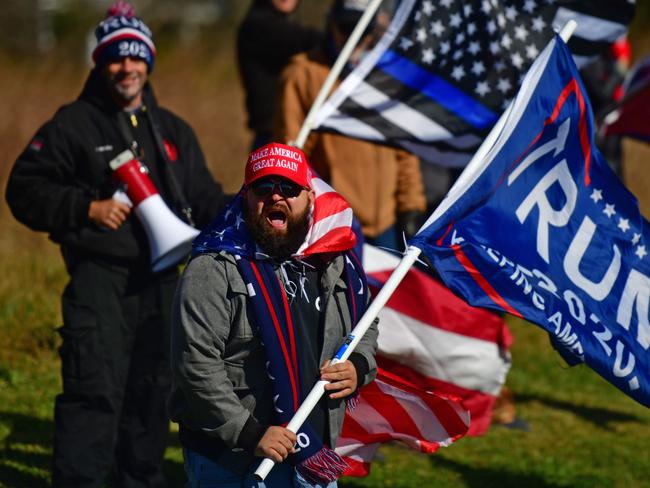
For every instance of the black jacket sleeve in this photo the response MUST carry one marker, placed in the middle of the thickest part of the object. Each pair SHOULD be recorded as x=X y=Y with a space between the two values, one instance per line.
x=203 y=193
x=207 y=197
x=42 y=191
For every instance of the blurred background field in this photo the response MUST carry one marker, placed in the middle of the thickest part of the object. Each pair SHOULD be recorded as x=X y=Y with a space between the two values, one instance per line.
x=583 y=432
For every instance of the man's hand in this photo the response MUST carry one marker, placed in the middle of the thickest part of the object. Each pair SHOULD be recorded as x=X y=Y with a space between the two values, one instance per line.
x=342 y=377
x=109 y=213
x=276 y=443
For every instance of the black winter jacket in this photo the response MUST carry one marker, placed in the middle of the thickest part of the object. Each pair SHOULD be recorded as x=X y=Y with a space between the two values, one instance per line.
x=66 y=166
x=266 y=41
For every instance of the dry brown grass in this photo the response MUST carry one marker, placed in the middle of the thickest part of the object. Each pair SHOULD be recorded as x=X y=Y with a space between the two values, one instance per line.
x=32 y=276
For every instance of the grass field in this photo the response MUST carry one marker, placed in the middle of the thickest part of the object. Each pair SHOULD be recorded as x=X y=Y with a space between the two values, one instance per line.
x=583 y=432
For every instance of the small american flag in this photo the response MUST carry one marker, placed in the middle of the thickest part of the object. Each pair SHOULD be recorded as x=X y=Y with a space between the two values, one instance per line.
x=443 y=72
x=332 y=217
x=433 y=339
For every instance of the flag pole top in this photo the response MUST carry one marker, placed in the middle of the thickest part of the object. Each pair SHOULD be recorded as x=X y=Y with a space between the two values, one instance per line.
x=335 y=71
x=567 y=31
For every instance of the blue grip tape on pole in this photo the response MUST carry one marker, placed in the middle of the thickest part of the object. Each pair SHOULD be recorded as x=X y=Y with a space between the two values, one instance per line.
x=344 y=347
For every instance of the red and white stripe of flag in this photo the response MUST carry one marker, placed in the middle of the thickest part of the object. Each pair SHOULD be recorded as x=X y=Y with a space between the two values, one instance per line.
x=331 y=229
x=390 y=409
x=429 y=341
x=433 y=339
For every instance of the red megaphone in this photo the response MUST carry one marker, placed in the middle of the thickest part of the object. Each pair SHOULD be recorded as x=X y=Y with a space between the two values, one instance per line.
x=170 y=239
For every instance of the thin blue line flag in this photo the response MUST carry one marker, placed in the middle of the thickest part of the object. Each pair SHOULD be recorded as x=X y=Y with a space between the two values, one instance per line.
x=540 y=227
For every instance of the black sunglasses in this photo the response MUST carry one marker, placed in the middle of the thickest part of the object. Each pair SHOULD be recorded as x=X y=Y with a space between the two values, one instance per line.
x=264 y=188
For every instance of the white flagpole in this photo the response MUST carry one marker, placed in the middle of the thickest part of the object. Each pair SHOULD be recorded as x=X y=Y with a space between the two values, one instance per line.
x=410 y=256
x=335 y=71
x=348 y=347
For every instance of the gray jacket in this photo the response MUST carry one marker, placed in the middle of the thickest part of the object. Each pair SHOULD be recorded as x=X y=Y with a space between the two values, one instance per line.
x=218 y=362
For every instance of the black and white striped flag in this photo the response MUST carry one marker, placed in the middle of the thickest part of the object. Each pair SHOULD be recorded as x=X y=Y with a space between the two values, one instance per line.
x=444 y=71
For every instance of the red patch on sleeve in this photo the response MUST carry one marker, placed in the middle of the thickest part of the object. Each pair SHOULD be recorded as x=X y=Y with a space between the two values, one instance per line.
x=36 y=144
x=170 y=149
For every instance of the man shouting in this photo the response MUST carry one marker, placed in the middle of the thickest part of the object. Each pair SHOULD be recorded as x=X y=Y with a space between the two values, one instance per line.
x=272 y=292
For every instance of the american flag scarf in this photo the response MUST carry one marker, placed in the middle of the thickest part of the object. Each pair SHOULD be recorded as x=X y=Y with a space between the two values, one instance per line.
x=330 y=232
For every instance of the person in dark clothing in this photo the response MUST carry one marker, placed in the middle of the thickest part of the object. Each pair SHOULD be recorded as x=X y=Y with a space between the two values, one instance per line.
x=111 y=415
x=383 y=184
x=266 y=40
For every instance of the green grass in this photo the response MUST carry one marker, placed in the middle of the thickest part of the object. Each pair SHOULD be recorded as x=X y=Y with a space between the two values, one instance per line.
x=583 y=432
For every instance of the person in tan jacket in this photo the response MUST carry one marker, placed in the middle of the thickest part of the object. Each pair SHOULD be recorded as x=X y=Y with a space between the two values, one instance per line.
x=383 y=184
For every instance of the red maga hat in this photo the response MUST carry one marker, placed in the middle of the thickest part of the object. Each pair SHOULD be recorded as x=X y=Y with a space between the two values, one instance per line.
x=277 y=159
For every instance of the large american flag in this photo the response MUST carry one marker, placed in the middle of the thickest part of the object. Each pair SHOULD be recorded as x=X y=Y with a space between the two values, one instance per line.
x=439 y=359
x=433 y=339
x=444 y=71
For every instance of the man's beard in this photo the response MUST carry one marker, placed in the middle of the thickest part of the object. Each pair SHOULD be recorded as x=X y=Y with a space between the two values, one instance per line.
x=126 y=94
x=279 y=245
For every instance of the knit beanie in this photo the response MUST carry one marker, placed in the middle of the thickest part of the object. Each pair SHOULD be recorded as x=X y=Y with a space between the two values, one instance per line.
x=121 y=34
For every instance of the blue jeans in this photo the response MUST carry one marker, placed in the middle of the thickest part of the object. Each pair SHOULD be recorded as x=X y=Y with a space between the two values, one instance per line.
x=204 y=473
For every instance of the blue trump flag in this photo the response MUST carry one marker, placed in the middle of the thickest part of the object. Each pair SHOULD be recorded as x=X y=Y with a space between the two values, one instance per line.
x=540 y=227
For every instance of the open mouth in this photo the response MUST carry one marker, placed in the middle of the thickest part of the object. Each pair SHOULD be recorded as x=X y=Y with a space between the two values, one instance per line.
x=277 y=218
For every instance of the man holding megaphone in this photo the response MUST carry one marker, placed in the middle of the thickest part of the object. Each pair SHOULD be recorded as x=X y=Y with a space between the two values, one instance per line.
x=121 y=253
